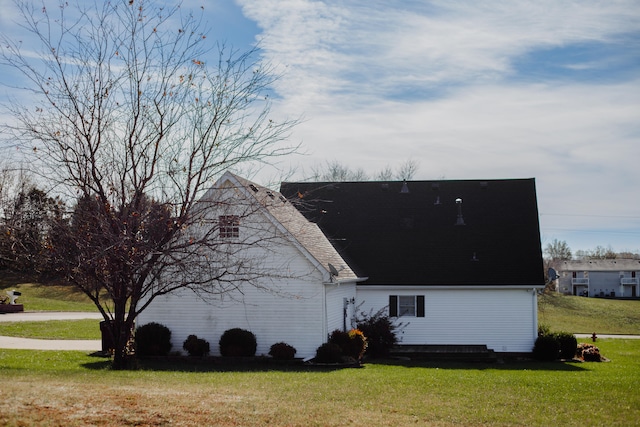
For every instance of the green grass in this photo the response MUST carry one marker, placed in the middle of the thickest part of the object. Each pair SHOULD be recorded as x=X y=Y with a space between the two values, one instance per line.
x=37 y=297
x=74 y=389
x=587 y=315
x=85 y=329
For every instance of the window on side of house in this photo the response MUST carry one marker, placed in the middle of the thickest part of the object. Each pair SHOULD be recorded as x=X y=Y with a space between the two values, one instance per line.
x=406 y=305
x=229 y=226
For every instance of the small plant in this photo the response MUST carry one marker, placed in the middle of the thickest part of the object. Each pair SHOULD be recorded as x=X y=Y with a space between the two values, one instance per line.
x=568 y=344
x=282 y=351
x=329 y=353
x=546 y=348
x=358 y=344
x=238 y=342
x=588 y=353
x=353 y=344
x=196 y=347
x=380 y=332
x=152 y=339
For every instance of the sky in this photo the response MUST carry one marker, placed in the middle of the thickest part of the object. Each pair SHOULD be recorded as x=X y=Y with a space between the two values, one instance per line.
x=467 y=89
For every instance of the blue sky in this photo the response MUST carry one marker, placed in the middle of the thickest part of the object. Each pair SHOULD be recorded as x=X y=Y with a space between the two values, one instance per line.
x=518 y=89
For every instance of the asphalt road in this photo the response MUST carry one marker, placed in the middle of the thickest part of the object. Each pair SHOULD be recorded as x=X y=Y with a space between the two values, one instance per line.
x=38 y=344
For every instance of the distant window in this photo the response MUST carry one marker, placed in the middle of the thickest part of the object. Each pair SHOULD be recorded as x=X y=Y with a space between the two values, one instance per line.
x=406 y=305
x=229 y=226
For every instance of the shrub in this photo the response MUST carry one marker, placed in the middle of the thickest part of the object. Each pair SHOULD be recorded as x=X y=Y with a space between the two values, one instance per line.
x=588 y=353
x=546 y=348
x=567 y=343
x=342 y=340
x=380 y=332
x=543 y=329
x=153 y=339
x=282 y=351
x=195 y=346
x=329 y=353
x=238 y=342
x=358 y=343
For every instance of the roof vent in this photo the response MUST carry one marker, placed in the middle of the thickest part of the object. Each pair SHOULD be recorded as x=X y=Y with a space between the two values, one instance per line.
x=270 y=194
x=283 y=199
x=484 y=185
x=475 y=258
x=385 y=186
x=437 y=202
x=460 y=220
x=405 y=187
x=253 y=187
x=435 y=186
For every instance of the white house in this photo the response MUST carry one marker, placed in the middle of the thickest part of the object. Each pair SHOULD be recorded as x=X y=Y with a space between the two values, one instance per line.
x=291 y=295
x=457 y=262
x=612 y=278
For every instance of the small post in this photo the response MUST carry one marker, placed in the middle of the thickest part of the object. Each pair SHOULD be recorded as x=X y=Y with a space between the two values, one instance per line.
x=594 y=337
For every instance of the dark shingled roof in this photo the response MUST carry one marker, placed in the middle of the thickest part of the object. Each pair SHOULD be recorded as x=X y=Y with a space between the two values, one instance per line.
x=405 y=233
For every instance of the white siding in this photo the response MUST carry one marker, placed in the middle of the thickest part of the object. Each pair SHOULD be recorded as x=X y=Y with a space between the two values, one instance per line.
x=505 y=320
x=290 y=312
x=286 y=305
x=336 y=295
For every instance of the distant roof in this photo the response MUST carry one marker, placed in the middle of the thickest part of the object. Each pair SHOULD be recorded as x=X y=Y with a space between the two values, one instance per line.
x=600 y=265
x=405 y=233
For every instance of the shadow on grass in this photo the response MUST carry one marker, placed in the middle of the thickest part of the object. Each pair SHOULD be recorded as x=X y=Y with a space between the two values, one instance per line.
x=263 y=364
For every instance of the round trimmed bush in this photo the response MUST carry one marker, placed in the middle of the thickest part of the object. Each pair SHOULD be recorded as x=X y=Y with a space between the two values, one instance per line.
x=329 y=353
x=153 y=339
x=195 y=346
x=568 y=344
x=238 y=342
x=546 y=348
x=282 y=351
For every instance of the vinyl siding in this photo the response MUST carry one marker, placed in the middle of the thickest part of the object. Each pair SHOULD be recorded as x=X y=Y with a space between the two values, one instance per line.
x=291 y=312
x=504 y=320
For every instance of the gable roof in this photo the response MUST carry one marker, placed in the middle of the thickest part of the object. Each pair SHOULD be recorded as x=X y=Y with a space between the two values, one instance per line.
x=405 y=233
x=305 y=235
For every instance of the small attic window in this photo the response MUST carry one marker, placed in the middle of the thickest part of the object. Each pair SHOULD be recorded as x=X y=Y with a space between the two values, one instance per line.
x=253 y=187
x=283 y=199
x=270 y=194
x=229 y=226
x=484 y=185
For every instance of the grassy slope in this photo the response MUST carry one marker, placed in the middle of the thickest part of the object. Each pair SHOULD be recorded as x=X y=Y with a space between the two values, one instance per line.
x=37 y=297
x=588 y=315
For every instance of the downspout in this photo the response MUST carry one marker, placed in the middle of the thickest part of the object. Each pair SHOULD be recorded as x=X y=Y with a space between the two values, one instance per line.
x=535 y=314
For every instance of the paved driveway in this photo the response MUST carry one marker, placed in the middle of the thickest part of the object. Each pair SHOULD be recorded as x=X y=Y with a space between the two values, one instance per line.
x=37 y=344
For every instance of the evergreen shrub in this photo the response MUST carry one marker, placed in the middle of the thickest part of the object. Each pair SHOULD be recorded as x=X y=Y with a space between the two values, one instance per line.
x=153 y=339
x=196 y=347
x=238 y=342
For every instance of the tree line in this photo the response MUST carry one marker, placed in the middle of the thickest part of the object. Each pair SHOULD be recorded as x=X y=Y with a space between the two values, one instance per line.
x=559 y=250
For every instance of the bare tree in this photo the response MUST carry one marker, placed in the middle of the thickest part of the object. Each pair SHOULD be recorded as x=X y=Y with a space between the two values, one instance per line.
x=136 y=123
x=334 y=171
x=558 y=250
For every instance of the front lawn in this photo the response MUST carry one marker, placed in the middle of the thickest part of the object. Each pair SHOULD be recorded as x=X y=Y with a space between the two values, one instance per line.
x=72 y=389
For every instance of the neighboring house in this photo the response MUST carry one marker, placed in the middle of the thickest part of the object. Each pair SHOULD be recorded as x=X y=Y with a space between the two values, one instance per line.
x=613 y=278
x=456 y=262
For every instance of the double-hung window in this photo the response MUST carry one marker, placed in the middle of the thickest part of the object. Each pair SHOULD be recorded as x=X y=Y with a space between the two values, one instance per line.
x=406 y=305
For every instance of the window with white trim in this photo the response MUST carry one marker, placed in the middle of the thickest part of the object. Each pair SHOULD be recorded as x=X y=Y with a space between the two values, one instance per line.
x=229 y=226
x=406 y=305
